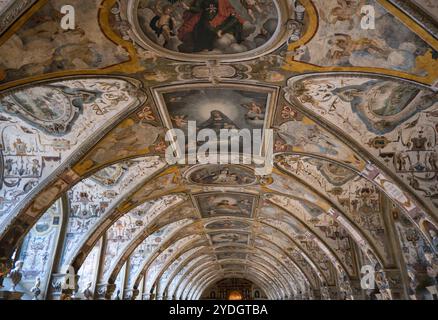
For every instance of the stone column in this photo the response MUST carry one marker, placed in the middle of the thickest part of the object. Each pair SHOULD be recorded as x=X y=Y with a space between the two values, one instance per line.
x=356 y=288
x=395 y=284
x=333 y=292
x=63 y=286
x=397 y=272
x=104 y=291
x=130 y=294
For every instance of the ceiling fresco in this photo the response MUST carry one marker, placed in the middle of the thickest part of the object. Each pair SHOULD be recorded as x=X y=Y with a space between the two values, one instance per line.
x=85 y=181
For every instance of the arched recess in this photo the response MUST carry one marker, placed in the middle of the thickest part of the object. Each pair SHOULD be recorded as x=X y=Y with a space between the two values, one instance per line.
x=260 y=281
x=177 y=262
x=38 y=251
x=204 y=260
x=181 y=264
x=153 y=268
x=175 y=231
x=254 y=271
x=190 y=250
x=266 y=268
x=374 y=134
x=93 y=199
x=164 y=290
x=161 y=204
x=269 y=273
x=217 y=278
x=265 y=252
x=84 y=109
x=127 y=134
x=125 y=248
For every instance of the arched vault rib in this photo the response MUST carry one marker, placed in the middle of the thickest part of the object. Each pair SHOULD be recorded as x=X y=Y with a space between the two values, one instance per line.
x=216 y=278
x=300 y=272
x=192 y=279
x=202 y=249
x=120 y=212
x=290 y=281
x=328 y=251
x=197 y=281
x=146 y=264
x=187 y=227
x=102 y=154
x=270 y=292
x=406 y=198
x=192 y=258
x=329 y=208
x=201 y=252
x=153 y=265
x=99 y=203
x=202 y=262
x=248 y=249
x=257 y=279
x=184 y=279
x=156 y=278
x=268 y=267
x=313 y=264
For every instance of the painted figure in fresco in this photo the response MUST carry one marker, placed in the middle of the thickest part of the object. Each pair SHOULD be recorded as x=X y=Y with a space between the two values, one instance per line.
x=205 y=21
x=164 y=23
x=16 y=274
x=343 y=45
x=252 y=6
x=345 y=11
x=382 y=105
x=218 y=121
x=255 y=111
x=35 y=290
x=88 y=294
x=4 y=270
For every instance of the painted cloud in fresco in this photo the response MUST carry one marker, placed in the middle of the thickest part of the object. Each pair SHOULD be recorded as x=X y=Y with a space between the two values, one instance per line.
x=340 y=41
x=228 y=26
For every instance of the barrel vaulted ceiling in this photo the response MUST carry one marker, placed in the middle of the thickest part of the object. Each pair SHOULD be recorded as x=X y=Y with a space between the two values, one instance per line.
x=84 y=181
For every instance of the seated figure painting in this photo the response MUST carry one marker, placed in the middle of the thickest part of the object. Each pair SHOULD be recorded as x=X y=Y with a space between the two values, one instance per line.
x=208 y=26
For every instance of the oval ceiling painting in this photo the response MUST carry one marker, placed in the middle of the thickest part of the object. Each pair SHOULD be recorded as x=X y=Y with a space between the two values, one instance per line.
x=207 y=27
x=214 y=174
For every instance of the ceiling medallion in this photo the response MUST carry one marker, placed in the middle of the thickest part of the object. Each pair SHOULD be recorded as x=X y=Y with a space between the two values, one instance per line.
x=224 y=30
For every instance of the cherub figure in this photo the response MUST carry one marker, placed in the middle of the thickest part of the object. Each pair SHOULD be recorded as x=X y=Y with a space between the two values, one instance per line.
x=255 y=112
x=342 y=45
x=345 y=11
x=251 y=7
x=180 y=121
x=164 y=23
